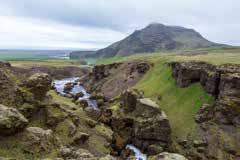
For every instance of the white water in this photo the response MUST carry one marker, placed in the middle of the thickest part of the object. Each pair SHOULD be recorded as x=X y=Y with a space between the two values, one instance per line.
x=138 y=154
x=59 y=85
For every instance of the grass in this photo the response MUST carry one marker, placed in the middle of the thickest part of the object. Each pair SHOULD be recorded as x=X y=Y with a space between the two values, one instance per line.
x=216 y=56
x=180 y=104
x=46 y=62
x=60 y=99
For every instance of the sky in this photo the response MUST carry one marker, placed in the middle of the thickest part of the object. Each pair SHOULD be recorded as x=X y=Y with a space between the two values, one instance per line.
x=94 y=24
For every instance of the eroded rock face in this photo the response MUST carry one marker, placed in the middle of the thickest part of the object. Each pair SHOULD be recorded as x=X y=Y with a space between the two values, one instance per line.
x=39 y=84
x=112 y=79
x=151 y=125
x=218 y=123
x=222 y=81
x=11 y=120
x=37 y=140
x=144 y=125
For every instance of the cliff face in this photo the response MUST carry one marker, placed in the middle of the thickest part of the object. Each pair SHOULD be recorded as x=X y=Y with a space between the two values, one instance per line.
x=156 y=37
x=218 y=124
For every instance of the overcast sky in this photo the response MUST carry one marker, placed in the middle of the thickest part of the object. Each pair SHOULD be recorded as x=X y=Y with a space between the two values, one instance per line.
x=91 y=24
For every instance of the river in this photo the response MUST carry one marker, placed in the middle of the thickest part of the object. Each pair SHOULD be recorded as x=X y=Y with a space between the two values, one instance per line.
x=59 y=86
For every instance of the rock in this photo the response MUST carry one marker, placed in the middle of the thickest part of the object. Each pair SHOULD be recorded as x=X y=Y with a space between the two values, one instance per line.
x=227 y=108
x=168 y=156
x=204 y=114
x=129 y=100
x=39 y=84
x=91 y=123
x=106 y=116
x=73 y=153
x=65 y=152
x=151 y=125
x=108 y=157
x=100 y=72
x=11 y=120
x=84 y=155
x=68 y=87
x=83 y=103
x=105 y=131
x=143 y=125
x=154 y=149
x=37 y=140
x=127 y=153
x=80 y=138
x=199 y=143
x=54 y=115
x=93 y=113
x=142 y=67
x=78 y=95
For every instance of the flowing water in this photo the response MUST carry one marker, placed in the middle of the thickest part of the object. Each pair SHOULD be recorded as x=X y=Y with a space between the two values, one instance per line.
x=138 y=154
x=59 y=85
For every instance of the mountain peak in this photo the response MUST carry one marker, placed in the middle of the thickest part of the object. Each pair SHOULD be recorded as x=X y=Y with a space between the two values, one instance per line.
x=156 y=37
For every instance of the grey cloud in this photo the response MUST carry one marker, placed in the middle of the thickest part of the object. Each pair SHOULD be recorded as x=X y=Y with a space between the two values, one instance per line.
x=216 y=20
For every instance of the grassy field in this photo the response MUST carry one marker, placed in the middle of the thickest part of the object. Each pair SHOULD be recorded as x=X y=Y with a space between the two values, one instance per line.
x=180 y=104
x=46 y=62
x=213 y=56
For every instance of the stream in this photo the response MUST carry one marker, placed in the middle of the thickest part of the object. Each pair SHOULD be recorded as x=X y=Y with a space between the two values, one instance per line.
x=59 y=86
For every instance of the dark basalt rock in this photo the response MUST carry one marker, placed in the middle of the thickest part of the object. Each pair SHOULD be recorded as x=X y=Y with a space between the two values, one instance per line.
x=38 y=140
x=143 y=125
x=68 y=87
x=39 y=84
x=222 y=81
x=11 y=120
x=222 y=119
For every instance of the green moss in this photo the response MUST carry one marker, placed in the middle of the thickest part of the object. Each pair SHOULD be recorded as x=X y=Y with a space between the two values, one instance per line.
x=180 y=104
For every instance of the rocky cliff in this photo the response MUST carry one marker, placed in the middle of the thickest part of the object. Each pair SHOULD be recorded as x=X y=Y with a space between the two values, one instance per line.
x=218 y=123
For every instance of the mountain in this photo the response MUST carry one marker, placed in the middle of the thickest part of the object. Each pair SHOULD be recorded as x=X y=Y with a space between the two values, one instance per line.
x=157 y=37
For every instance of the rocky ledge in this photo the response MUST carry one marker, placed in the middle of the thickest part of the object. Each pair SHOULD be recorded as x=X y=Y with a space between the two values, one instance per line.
x=142 y=124
x=222 y=119
x=112 y=79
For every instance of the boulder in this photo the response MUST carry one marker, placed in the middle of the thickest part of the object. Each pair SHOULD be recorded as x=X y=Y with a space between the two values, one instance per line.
x=80 y=138
x=39 y=84
x=106 y=116
x=100 y=71
x=11 y=120
x=68 y=87
x=129 y=100
x=143 y=124
x=75 y=153
x=168 y=156
x=142 y=67
x=78 y=95
x=151 y=125
x=54 y=115
x=37 y=140
x=82 y=102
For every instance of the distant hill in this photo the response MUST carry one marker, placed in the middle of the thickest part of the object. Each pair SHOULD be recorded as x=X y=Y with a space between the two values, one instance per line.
x=156 y=37
x=81 y=54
